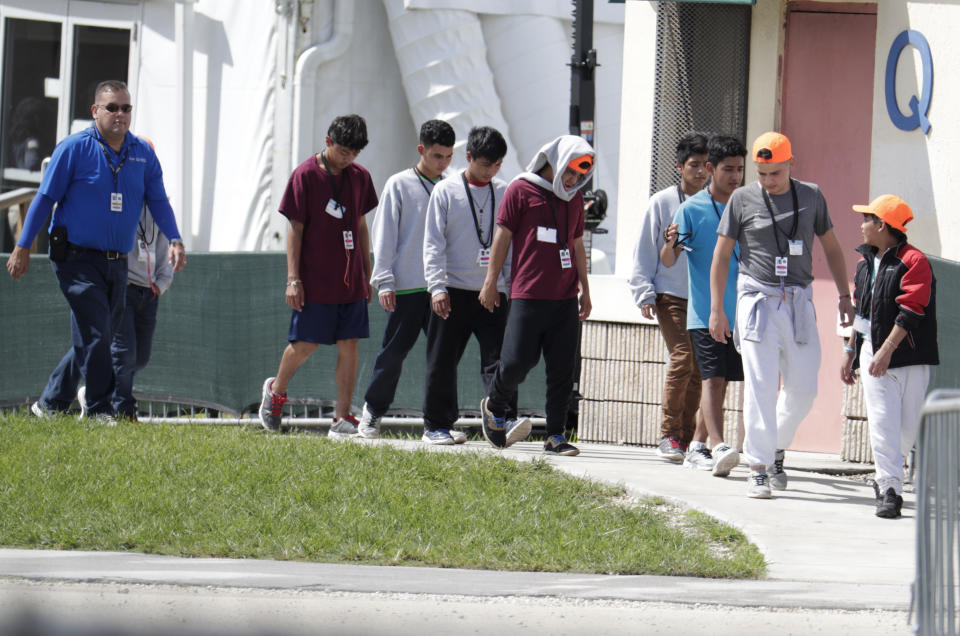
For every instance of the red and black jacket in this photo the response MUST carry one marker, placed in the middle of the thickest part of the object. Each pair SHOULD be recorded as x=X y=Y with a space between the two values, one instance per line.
x=904 y=293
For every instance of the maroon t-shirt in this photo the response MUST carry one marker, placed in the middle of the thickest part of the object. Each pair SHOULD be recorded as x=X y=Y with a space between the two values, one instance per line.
x=536 y=270
x=330 y=272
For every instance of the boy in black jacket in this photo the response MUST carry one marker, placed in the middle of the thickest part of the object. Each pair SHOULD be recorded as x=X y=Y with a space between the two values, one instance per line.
x=894 y=338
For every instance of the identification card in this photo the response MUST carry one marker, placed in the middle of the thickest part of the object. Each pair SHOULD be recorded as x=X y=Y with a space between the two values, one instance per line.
x=565 y=261
x=546 y=234
x=116 y=202
x=780 y=266
x=483 y=257
x=335 y=210
x=796 y=248
x=142 y=251
x=348 y=239
x=861 y=325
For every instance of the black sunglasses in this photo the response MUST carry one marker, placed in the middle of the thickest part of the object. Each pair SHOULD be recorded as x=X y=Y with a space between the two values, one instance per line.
x=125 y=108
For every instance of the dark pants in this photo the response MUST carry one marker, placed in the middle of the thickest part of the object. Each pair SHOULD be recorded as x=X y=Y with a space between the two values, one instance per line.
x=95 y=289
x=535 y=326
x=408 y=318
x=446 y=341
x=132 y=342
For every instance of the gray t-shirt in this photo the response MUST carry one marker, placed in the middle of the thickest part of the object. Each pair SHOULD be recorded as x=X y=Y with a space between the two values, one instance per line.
x=747 y=219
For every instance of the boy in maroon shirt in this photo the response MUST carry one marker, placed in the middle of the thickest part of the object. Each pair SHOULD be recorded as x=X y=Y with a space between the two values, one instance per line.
x=328 y=266
x=542 y=217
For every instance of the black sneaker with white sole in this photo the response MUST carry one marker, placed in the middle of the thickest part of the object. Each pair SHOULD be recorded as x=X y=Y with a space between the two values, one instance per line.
x=558 y=445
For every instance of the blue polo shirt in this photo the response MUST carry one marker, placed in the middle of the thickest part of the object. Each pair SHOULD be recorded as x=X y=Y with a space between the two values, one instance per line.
x=80 y=179
x=698 y=218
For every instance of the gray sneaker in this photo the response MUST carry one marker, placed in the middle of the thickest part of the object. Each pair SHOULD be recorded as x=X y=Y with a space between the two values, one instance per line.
x=459 y=437
x=758 y=484
x=670 y=448
x=517 y=430
x=725 y=459
x=82 y=400
x=698 y=458
x=271 y=407
x=439 y=437
x=343 y=427
x=778 y=478
x=369 y=426
x=38 y=409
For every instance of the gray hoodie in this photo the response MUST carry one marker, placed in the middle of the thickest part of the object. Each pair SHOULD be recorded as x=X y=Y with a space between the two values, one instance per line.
x=559 y=152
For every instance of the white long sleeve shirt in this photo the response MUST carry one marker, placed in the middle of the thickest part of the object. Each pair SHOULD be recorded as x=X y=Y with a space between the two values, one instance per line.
x=397 y=233
x=651 y=277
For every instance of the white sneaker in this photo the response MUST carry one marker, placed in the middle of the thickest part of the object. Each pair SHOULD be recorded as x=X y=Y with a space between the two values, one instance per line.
x=369 y=426
x=343 y=428
x=758 y=484
x=698 y=457
x=459 y=437
x=517 y=430
x=82 y=400
x=725 y=459
x=778 y=478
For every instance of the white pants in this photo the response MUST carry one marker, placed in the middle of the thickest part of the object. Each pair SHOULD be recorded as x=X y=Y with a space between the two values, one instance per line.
x=894 y=401
x=771 y=413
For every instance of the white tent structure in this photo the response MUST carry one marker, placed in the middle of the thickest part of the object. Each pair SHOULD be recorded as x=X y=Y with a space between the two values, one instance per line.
x=236 y=93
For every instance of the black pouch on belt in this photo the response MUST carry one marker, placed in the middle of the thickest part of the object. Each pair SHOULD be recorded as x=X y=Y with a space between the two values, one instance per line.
x=58 y=243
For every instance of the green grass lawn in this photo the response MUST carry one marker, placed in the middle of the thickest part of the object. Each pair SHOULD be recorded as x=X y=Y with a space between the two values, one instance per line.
x=238 y=492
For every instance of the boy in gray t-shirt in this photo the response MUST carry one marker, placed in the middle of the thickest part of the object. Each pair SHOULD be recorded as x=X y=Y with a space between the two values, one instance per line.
x=774 y=221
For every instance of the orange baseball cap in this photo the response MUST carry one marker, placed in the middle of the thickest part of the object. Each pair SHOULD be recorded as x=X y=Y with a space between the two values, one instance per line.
x=890 y=209
x=581 y=164
x=772 y=147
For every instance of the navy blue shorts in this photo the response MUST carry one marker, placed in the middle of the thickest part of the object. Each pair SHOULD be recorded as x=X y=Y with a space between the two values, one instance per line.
x=715 y=359
x=324 y=323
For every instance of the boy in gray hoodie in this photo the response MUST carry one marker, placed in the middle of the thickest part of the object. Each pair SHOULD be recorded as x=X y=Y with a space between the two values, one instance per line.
x=542 y=219
x=397 y=233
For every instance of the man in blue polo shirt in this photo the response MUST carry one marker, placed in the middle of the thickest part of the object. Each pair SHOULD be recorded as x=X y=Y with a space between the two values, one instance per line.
x=99 y=178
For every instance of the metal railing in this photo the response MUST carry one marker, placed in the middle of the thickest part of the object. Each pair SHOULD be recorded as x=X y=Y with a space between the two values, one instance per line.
x=938 y=480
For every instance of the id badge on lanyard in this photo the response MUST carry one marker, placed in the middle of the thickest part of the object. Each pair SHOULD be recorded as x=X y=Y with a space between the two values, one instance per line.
x=483 y=257
x=780 y=266
x=565 y=261
x=116 y=202
x=348 y=239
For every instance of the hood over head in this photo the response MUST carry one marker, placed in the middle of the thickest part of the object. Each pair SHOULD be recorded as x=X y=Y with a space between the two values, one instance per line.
x=559 y=153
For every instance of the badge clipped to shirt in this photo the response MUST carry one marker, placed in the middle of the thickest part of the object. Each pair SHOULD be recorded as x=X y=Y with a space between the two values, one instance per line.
x=565 y=261
x=483 y=257
x=780 y=266
x=796 y=248
x=348 y=239
x=546 y=234
x=335 y=210
x=116 y=202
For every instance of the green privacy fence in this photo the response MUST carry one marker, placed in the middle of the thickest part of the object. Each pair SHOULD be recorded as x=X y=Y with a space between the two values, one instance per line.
x=221 y=329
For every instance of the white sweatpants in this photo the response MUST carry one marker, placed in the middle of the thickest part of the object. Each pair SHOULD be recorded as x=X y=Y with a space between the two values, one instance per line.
x=771 y=413
x=894 y=401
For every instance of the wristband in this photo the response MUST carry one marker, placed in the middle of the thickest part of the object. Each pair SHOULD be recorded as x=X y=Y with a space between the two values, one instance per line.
x=293 y=283
x=844 y=296
x=849 y=349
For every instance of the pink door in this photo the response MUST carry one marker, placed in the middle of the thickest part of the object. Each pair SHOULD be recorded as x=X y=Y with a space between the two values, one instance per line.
x=826 y=111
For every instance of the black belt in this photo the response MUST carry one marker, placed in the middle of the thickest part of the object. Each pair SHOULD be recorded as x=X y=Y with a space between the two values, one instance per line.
x=110 y=255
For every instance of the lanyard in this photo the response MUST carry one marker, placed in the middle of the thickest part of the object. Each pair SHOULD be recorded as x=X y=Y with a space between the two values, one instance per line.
x=681 y=194
x=773 y=218
x=123 y=160
x=423 y=179
x=344 y=180
x=736 y=246
x=476 y=216
x=561 y=239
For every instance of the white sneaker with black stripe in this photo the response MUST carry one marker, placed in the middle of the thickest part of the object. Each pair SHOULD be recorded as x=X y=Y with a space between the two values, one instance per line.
x=698 y=457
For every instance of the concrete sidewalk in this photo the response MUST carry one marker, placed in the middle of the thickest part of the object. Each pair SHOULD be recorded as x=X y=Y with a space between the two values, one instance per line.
x=824 y=546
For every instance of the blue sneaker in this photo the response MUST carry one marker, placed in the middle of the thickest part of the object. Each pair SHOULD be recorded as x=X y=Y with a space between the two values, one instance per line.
x=558 y=445
x=517 y=430
x=494 y=428
x=439 y=437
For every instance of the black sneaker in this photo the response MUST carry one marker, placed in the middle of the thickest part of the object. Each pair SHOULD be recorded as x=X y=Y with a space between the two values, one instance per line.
x=558 y=445
x=494 y=428
x=889 y=504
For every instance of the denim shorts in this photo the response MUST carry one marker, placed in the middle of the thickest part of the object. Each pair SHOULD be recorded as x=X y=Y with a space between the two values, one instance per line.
x=324 y=323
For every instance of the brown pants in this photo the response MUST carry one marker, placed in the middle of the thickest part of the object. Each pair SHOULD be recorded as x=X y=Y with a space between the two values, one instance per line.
x=681 y=388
